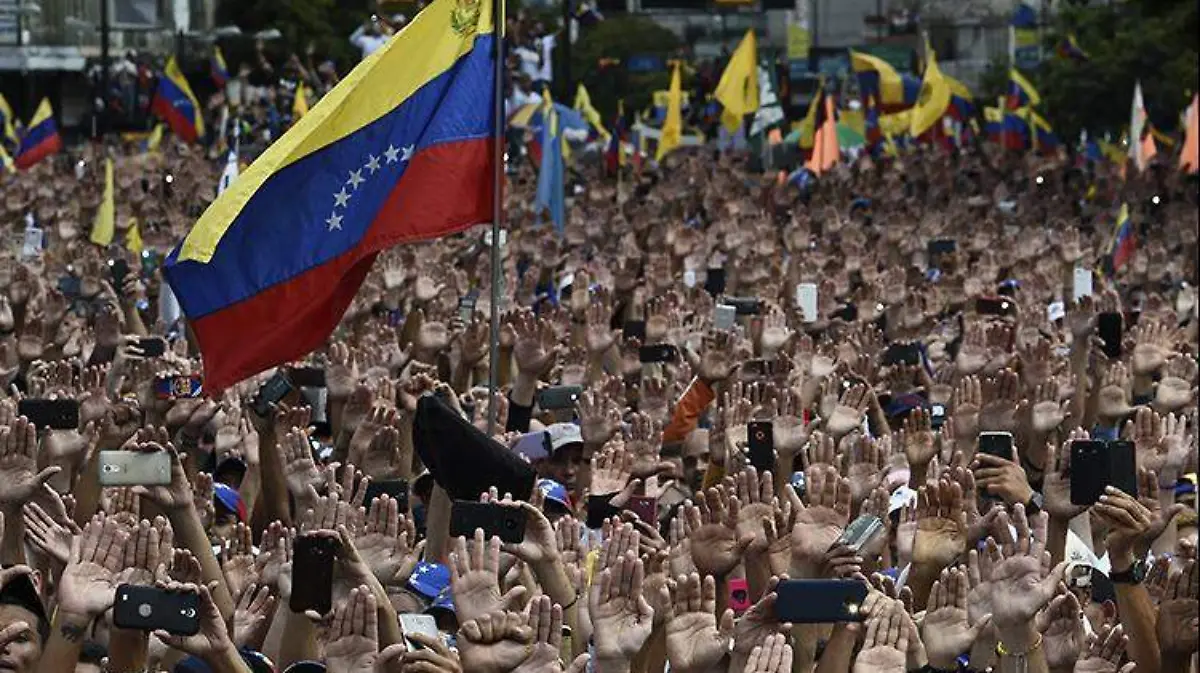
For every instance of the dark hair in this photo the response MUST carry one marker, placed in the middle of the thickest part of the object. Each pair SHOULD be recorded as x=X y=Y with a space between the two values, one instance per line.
x=92 y=653
x=21 y=592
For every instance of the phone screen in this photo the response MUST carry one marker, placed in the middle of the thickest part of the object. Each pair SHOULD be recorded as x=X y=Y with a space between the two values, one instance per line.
x=761 y=439
x=999 y=444
x=657 y=353
x=312 y=559
x=724 y=317
x=1109 y=329
x=806 y=299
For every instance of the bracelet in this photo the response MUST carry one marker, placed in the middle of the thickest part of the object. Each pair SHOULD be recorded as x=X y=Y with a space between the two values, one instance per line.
x=570 y=605
x=1002 y=651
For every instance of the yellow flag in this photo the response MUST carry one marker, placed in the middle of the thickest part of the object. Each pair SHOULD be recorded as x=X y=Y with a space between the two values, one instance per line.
x=935 y=96
x=299 y=103
x=583 y=103
x=133 y=237
x=738 y=89
x=103 y=225
x=672 y=128
x=155 y=138
x=1189 y=159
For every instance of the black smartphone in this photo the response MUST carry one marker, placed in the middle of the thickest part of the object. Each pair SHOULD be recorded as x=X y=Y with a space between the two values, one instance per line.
x=744 y=305
x=506 y=523
x=307 y=377
x=997 y=306
x=902 y=354
x=860 y=532
x=714 y=281
x=396 y=489
x=312 y=560
x=1109 y=327
x=658 y=353
x=634 y=329
x=756 y=368
x=820 y=601
x=646 y=508
x=761 y=438
x=937 y=416
x=942 y=246
x=558 y=397
x=999 y=444
x=142 y=608
x=1122 y=466
x=1088 y=471
x=59 y=414
x=152 y=347
x=120 y=270
x=848 y=313
x=276 y=388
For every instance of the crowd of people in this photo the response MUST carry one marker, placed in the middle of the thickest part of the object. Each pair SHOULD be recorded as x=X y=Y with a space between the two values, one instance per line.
x=919 y=425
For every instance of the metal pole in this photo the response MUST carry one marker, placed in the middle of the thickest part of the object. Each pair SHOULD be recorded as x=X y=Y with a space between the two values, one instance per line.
x=104 y=63
x=497 y=209
x=566 y=51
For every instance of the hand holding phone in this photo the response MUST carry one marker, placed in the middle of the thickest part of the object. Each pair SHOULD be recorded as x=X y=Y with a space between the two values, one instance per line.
x=506 y=523
x=313 y=555
x=142 y=608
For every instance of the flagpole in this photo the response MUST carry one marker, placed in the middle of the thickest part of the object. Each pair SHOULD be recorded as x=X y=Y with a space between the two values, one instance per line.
x=497 y=210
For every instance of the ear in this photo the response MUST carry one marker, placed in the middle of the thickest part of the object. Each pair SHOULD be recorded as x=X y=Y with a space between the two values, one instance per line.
x=1110 y=611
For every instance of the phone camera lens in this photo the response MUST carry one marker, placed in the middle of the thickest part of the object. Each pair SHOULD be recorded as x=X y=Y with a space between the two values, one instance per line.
x=145 y=610
x=510 y=524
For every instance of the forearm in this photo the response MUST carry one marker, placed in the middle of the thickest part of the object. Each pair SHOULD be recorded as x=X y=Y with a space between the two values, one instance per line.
x=758 y=574
x=437 y=526
x=190 y=535
x=652 y=658
x=1056 y=539
x=274 y=484
x=1137 y=615
x=1023 y=645
x=839 y=651
x=920 y=581
x=299 y=640
x=251 y=486
x=1177 y=661
x=87 y=490
x=61 y=653
x=12 y=545
x=127 y=650
x=524 y=389
x=804 y=646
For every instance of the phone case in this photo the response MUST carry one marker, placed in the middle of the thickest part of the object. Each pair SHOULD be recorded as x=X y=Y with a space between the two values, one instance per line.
x=656 y=353
x=506 y=523
x=806 y=299
x=417 y=623
x=152 y=347
x=820 y=601
x=998 y=444
x=142 y=608
x=1083 y=283
x=860 y=531
x=645 y=508
x=1122 y=466
x=54 y=414
x=634 y=329
x=1089 y=471
x=396 y=489
x=312 y=559
x=724 y=317
x=760 y=436
x=134 y=468
x=559 y=397
x=1109 y=329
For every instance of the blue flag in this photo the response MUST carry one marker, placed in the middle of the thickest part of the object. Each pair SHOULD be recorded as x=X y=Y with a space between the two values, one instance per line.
x=550 y=173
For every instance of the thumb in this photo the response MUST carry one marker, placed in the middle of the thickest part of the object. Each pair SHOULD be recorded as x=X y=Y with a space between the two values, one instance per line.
x=1174 y=511
x=979 y=628
x=744 y=543
x=512 y=597
x=388 y=655
x=44 y=475
x=579 y=665
x=726 y=623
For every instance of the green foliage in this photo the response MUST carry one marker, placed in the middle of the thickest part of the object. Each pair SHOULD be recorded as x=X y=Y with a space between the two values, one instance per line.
x=326 y=24
x=620 y=37
x=1153 y=41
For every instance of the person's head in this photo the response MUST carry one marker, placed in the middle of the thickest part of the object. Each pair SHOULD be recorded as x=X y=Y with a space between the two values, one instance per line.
x=557 y=502
x=229 y=508
x=91 y=658
x=566 y=455
x=695 y=458
x=19 y=603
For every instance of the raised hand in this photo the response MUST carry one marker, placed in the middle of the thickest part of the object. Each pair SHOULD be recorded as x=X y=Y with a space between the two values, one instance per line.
x=494 y=642
x=941 y=525
x=717 y=547
x=475 y=578
x=18 y=465
x=885 y=646
x=238 y=564
x=252 y=616
x=178 y=494
x=946 y=631
x=1105 y=649
x=1178 y=618
x=850 y=410
x=88 y=585
x=352 y=640
x=1062 y=630
x=1002 y=478
x=545 y=623
x=717 y=361
x=213 y=638
x=386 y=542
x=696 y=642
x=142 y=555
x=535 y=346
x=1019 y=586
x=917 y=438
x=299 y=470
x=774 y=655
x=821 y=521
x=621 y=617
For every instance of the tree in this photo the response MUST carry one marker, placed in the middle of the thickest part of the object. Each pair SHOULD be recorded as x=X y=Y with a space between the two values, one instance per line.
x=1152 y=41
x=326 y=24
x=621 y=37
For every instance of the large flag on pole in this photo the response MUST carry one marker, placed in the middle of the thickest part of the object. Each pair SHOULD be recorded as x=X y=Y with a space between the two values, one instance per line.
x=40 y=139
x=935 y=96
x=175 y=103
x=737 y=90
x=1189 y=159
x=672 y=128
x=583 y=103
x=1141 y=144
x=400 y=150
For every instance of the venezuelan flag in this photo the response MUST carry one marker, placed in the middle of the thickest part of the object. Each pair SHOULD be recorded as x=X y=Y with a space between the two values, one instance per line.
x=400 y=150
x=1124 y=242
x=6 y=162
x=1069 y=49
x=614 y=154
x=878 y=79
x=1020 y=92
x=10 y=140
x=41 y=138
x=962 y=103
x=175 y=103
x=873 y=134
x=218 y=69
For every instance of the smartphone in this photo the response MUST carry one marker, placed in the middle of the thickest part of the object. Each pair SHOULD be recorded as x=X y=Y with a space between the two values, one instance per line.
x=634 y=329
x=723 y=317
x=396 y=489
x=820 y=601
x=119 y=269
x=307 y=377
x=275 y=389
x=175 y=387
x=506 y=523
x=466 y=309
x=135 y=468
x=658 y=353
x=998 y=444
x=941 y=246
x=689 y=278
x=937 y=416
x=1055 y=311
x=1109 y=329
x=860 y=532
x=806 y=299
x=56 y=414
x=761 y=440
x=756 y=368
x=1083 y=282
x=847 y=313
x=744 y=305
x=908 y=353
x=998 y=306
x=558 y=397
x=714 y=281
x=1122 y=466
x=142 y=608
x=312 y=560
x=417 y=623
x=1089 y=471
x=645 y=508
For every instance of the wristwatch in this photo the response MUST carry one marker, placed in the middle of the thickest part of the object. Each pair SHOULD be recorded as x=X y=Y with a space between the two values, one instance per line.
x=1133 y=575
x=1035 y=504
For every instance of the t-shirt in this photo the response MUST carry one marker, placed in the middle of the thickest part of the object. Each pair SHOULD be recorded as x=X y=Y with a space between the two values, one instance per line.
x=546 y=72
x=368 y=43
x=529 y=62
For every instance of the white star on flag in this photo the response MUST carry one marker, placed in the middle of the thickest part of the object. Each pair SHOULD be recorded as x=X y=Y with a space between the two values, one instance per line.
x=372 y=163
x=355 y=179
x=408 y=152
x=341 y=199
x=391 y=153
x=334 y=222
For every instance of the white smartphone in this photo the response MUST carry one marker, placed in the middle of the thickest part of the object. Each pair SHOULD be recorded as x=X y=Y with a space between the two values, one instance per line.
x=1055 y=311
x=1083 y=282
x=806 y=299
x=417 y=623
x=133 y=468
x=724 y=316
x=689 y=278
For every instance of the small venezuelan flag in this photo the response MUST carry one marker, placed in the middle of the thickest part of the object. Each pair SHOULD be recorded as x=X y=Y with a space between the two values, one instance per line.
x=1020 y=92
x=175 y=104
x=400 y=150
x=41 y=138
x=1124 y=242
x=218 y=69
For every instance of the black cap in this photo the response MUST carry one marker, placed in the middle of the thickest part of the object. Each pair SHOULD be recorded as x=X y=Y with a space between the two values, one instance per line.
x=21 y=592
x=463 y=460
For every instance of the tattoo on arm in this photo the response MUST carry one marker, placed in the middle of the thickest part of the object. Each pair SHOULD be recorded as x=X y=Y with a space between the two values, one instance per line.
x=72 y=632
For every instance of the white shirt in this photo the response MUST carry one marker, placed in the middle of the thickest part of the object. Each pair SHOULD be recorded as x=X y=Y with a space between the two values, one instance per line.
x=367 y=43
x=547 y=69
x=529 y=62
x=519 y=99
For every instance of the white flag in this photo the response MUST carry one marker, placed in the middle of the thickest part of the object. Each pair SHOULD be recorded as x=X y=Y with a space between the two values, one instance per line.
x=1137 y=125
x=229 y=174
